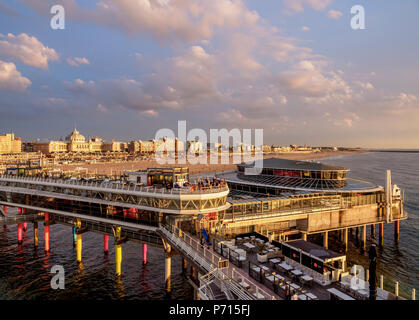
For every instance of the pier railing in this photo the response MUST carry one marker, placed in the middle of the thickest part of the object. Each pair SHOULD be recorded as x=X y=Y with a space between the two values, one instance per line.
x=209 y=261
x=114 y=185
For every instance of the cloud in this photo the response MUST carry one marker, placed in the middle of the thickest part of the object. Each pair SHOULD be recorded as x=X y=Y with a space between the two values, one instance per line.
x=364 y=85
x=298 y=5
x=11 y=79
x=304 y=28
x=315 y=83
x=76 y=62
x=334 y=14
x=163 y=19
x=348 y=120
x=27 y=49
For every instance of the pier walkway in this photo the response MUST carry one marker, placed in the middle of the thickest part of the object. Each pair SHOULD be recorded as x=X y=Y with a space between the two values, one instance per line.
x=212 y=263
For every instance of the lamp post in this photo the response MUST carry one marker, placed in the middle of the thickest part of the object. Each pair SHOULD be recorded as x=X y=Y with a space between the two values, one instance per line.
x=372 y=254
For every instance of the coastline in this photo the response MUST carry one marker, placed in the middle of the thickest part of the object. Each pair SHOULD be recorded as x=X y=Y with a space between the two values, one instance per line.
x=109 y=168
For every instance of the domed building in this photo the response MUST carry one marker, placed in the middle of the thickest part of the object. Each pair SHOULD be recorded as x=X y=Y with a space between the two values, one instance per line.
x=75 y=136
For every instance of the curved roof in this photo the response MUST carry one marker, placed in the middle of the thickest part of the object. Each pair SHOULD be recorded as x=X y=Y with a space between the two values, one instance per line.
x=278 y=163
x=311 y=185
x=75 y=136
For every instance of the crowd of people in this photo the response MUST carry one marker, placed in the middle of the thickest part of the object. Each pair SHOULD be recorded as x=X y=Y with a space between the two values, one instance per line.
x=202 y=184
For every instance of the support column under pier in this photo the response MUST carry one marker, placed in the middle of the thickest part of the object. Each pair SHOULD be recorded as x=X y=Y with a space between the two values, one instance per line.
x=79 y=247
x=46 y=231
x=78 y=241
x=144 y=254
x=373 y=231
x=19 y=228
x=364 y=238
x=345 y=238
x=381 y=234
x=35 y=234
x=118 y=251
x=74 y=237
x=397 y=231
x=168 y=268
x=25 y=224
x=105 y=244
x=325 y=239
x=5 y=214
x=184 y=265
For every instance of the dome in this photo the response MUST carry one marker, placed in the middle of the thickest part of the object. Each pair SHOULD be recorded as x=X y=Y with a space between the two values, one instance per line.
x=75 y=136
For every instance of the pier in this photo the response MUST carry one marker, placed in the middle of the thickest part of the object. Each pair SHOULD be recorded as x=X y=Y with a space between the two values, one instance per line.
x=207 y=223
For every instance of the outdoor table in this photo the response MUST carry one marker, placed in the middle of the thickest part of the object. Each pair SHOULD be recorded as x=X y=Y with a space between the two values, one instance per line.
x=250 y=246
x=306 y=278
x=296 y=272
x=246 y=238
x=265 y=268
x=258 y=295
x=271 y=278
x=245 y=285
x=340 y=294
x=311 y=296
x=363 y=292
x=302 y=297
x=275 y=261
x=238 y=250
x=295 y=286
x=257 y=269
x=286 y=266
x=270 y=250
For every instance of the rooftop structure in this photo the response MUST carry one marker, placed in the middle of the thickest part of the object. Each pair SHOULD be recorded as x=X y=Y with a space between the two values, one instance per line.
x=280 y=175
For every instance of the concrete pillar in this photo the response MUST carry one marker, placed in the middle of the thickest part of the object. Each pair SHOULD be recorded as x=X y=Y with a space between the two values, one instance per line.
x=364 y=237
x=373 y=231
x=381 y=234
x=367 y=278
x=5 y=214
x=105 y=243
x=305 y=236
x=184 y=265
x=118 y=251
x=35 y=234
x=413 y=294
x=19 y=233
x=396 y=289
x=382 y=282
x=196 y=295
x=168 y=268
x=19 y=228
x=345 y=238
x=25 y=224
x=397 y=230
x=74 y=237
x=144 y=254
x=79 y=247
x=46 y=231
x=325 y=239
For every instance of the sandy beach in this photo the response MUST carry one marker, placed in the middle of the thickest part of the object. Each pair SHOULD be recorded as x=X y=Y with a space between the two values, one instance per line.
x=109 y=168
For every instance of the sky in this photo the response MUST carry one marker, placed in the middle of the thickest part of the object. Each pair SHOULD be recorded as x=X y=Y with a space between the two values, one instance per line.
x=124 y=69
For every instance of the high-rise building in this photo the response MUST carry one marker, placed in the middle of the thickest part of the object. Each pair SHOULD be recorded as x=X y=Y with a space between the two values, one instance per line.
x=10 y=144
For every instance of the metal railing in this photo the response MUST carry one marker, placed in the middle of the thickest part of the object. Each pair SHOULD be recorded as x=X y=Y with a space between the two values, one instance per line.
x=209 y=260
x=112 y=185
